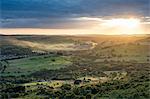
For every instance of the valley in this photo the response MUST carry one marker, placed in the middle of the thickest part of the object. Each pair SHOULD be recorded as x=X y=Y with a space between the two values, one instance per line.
x=65 y=67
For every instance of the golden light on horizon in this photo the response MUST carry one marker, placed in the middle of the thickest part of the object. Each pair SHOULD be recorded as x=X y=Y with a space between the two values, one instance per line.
x=128 y=23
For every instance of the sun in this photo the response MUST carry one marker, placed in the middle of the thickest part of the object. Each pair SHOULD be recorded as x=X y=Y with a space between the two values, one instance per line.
x=126 y=23
x=123 y=25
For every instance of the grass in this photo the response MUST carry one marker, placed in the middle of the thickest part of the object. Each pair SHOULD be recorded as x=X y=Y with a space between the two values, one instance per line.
x=32 y=64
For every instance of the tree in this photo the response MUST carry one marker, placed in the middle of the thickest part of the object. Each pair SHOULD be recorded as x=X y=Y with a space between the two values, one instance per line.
x=89 y=96
x=3 y=65
x=53 y=60
x=66 y=87
x=69 y=96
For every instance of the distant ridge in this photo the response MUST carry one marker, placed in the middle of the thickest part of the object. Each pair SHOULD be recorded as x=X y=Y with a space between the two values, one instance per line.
x=76 y=35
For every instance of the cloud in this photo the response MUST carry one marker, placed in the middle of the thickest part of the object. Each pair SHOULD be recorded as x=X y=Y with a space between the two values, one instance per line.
x=51 y=23
x=61 y=13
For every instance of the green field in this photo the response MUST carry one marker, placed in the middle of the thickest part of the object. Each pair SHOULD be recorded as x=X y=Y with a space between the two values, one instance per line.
x=27 y=66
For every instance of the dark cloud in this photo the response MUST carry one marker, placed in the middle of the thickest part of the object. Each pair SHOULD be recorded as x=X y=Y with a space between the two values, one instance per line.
x=57 y=13
x=54 y=23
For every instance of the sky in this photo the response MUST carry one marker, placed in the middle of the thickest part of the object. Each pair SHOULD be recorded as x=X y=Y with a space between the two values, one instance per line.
x=74 y=17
